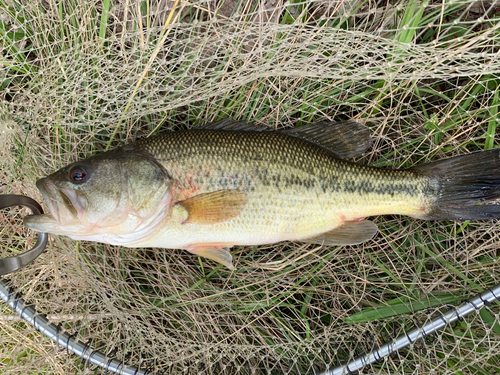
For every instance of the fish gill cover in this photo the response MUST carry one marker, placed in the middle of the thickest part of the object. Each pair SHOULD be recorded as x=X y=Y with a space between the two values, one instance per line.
x=80 y=77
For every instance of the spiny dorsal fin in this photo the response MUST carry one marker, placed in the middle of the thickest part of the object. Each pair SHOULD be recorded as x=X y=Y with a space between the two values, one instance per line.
x=345 y=139
x=232 y=125
x=215 y=207
x=350 y=233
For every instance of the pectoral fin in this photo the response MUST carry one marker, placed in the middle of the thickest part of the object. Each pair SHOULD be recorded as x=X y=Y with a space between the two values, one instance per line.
x=350 y=233
x=211 y=251
x=215 y=207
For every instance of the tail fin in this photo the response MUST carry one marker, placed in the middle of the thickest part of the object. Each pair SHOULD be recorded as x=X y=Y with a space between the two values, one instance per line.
x=465 y=186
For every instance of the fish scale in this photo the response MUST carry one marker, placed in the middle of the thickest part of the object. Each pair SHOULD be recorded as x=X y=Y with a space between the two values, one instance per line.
x=295 y=188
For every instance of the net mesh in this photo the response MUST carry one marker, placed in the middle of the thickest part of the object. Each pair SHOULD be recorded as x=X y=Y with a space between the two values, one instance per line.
x=79 y=77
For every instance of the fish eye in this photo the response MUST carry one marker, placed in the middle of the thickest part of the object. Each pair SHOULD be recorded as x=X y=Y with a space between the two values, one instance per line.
x=78 y=174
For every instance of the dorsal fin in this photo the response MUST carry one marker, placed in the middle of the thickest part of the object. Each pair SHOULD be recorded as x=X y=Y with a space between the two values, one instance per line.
x=345 y=139
x=232 y=125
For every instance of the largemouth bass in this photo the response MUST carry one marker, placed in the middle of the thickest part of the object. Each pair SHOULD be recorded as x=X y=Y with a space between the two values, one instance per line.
x=230 y=183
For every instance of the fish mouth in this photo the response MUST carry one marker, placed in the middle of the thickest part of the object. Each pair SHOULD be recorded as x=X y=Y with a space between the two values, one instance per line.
x=62 y=204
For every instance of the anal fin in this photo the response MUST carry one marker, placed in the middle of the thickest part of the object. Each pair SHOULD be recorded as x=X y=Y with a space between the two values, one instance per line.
x=216 y=252
x=350 y=233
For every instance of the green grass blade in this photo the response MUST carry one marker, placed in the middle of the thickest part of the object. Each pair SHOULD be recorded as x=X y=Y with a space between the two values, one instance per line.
x=104 y=20
x=399 y=306
x=493 y=123
x=410 y=21
x=490 y=320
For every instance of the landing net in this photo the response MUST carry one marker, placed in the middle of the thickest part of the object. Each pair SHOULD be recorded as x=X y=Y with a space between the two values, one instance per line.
x=79 y=77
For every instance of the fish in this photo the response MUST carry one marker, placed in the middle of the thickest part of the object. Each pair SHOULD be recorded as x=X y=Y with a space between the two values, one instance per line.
x=230 y=183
